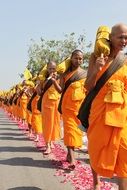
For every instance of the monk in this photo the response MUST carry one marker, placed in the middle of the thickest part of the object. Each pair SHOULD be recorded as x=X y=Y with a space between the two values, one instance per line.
x=28 y=112
x=107 y=132
x=36 y=120
x=50 y=100
x=23 y=107
x=71 y=101
x=17 y=103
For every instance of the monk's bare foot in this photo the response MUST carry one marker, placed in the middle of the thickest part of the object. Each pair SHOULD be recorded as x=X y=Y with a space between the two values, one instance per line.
x=52 y=145
x=31 y=136
x=36 y=139
x=68 y=158
x=97 y=187
x=71 y=167
x=48 y=151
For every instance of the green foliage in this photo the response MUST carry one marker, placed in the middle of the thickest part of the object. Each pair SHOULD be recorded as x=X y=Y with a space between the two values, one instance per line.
x=57 y=50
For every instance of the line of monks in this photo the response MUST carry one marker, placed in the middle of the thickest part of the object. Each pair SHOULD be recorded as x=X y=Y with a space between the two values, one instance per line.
x=45 y=122
x=107 y=133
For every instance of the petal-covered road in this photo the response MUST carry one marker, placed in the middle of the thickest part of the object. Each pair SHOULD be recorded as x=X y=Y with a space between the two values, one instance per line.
x=26 y=168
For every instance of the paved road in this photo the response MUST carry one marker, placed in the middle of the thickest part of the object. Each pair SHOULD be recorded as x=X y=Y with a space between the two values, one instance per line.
x=22 y=166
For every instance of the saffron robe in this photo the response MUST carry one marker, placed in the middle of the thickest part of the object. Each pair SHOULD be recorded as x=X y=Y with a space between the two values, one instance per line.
x=107 y=132
x=71 y=102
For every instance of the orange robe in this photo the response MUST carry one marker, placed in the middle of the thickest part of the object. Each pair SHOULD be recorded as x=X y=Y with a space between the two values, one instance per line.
x=23 y=106
x=107 y=132
x=18 y=108
x=36 y=120
x=13 y=109
x=71 y=102
x=28 y=114
x=10 y=108
x=51 y=116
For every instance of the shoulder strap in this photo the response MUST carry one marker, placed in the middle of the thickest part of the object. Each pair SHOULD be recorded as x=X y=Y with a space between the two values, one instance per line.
x=75 y=77
x=30 y=101
x=47 y=86
x=86 y=104
x=115 y=65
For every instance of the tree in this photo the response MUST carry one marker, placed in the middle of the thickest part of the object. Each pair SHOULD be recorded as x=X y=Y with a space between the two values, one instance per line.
x=57 y=50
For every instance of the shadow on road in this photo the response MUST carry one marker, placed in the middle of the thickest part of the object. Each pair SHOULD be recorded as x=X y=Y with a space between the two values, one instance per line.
x=25 y=188
x=18 y=149
x=16 y=139
x=25 y=161
x=8 y=123
x=11 y=134
x=9 y=129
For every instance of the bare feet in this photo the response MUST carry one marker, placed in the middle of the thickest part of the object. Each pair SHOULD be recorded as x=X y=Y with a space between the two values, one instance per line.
x=36 y=139
x=97 y=187
x=68 y=158
x=96 y=180
x=31 y=136
x=52 y=145
x=71 y=167
x=48 y=151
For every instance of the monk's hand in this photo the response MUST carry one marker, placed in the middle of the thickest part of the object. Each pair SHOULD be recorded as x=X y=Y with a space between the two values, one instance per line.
x=99 y=63
x=54 y=77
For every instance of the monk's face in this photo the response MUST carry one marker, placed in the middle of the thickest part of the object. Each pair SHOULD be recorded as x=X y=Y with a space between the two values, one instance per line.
x=51 y=67
x=119 y=38
x=77 y=59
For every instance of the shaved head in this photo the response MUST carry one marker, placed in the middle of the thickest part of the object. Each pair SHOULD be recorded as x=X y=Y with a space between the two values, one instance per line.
x=118 y=37
x=51 y=64
x=119 y=28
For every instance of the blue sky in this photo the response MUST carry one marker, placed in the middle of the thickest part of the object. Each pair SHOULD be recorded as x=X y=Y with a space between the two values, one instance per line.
x=22 y=20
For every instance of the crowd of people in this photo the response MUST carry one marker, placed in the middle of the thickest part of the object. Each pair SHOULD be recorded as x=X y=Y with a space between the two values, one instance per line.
x=60 y=97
